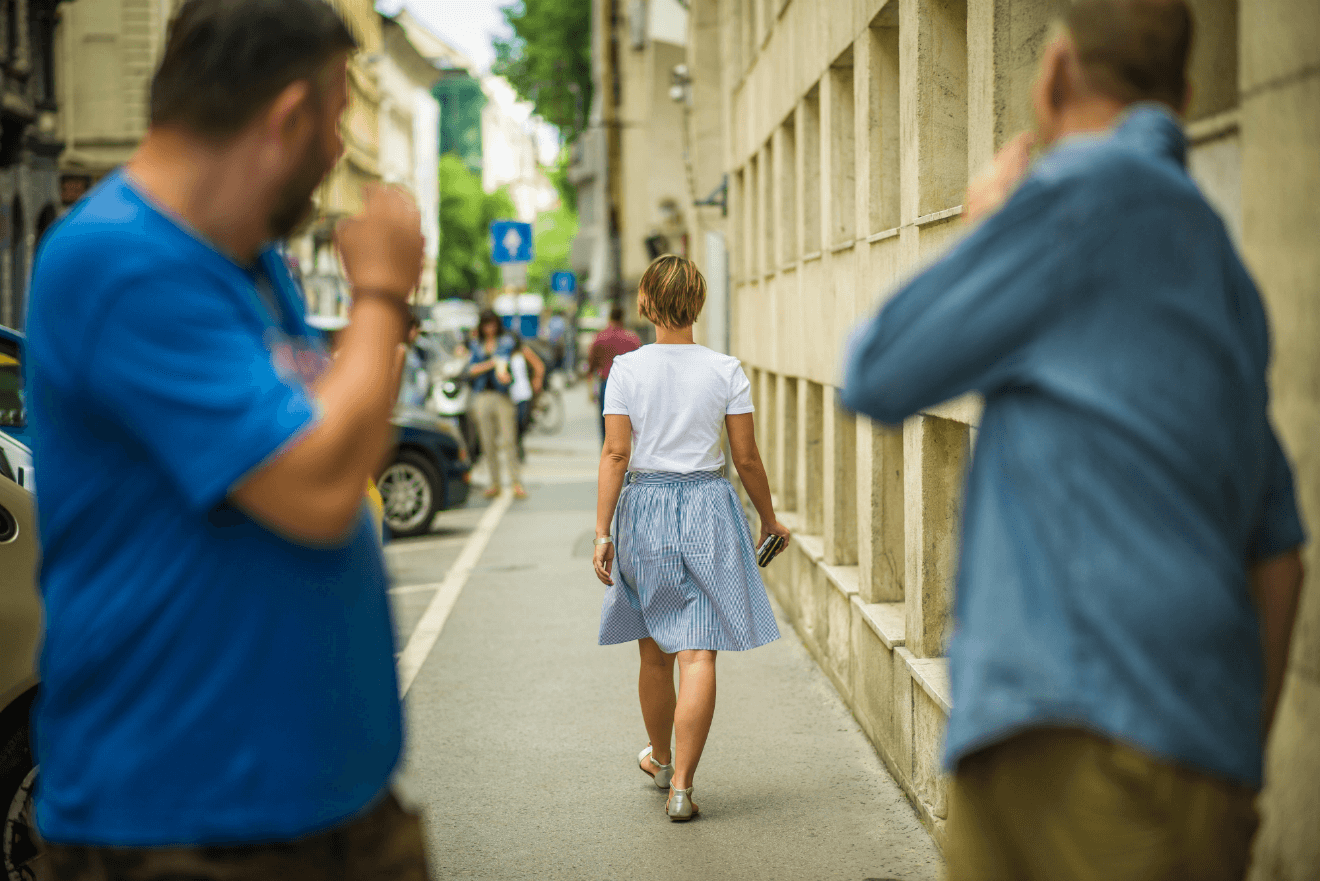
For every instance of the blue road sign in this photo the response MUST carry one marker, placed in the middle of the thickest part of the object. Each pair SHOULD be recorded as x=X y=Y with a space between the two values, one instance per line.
x=510 y=242
x=563 y=283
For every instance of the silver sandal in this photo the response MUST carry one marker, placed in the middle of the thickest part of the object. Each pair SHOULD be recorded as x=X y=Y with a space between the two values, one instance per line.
x=663 y=773
x=680 y=807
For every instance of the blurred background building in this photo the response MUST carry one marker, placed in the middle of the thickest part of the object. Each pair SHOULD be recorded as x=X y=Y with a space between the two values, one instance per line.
x=847 y=131
x=29 y=144
x=633 y=197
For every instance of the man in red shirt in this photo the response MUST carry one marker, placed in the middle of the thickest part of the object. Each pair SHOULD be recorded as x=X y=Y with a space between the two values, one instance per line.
x=613 y=341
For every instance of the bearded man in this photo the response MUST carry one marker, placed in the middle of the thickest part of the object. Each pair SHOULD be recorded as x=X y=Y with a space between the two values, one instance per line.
x=1130 y=564
x=219 y=696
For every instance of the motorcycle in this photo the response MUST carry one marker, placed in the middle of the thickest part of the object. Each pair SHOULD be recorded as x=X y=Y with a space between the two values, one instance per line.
x=450 y=392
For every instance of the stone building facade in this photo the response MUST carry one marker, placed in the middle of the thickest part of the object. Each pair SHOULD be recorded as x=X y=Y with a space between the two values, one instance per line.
x=629 y=166
x=340 y=195
x=410 y=135
x=29 y=143
x=849 y=130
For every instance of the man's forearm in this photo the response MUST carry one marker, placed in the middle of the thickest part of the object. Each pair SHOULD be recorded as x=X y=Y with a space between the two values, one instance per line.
x=358 y=393
x=1276 y=587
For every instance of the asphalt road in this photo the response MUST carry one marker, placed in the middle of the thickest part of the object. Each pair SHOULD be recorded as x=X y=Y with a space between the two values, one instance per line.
x=523 y=732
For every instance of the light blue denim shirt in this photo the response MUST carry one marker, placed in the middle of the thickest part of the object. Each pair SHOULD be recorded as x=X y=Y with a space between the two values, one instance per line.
x=1125 y=472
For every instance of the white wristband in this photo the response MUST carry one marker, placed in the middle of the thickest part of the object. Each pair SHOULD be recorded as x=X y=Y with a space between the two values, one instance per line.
x=605 y=540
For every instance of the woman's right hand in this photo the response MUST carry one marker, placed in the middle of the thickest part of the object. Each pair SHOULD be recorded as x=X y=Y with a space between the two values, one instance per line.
x=774 y=528
x=602 y=561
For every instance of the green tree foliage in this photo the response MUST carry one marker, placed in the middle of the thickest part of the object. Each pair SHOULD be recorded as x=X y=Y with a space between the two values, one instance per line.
x=558 y=174
x=461 y=100
x=548 y=60
x=553 y=237
x=466 y=212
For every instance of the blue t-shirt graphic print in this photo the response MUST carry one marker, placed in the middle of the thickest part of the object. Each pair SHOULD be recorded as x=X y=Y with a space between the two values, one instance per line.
x=205 y=680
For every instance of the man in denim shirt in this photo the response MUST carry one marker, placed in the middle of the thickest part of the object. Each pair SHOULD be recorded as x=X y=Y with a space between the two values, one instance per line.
x=1131 y=539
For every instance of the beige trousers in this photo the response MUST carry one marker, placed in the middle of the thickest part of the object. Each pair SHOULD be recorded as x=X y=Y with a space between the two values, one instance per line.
x=497 y=426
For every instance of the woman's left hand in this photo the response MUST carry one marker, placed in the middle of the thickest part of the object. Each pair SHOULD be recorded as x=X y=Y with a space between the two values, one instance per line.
x=604 y=558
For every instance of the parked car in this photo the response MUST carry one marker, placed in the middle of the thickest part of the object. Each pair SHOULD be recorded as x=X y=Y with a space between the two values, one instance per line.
x=20 y=633
x=16 y=463
x=13 y=413
x=431 y=468
x=430 y=472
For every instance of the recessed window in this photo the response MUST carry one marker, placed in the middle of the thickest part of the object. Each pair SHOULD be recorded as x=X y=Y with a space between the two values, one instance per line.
x=810 y=141
x=942 y=106
x=843 y=153
x=882 y=122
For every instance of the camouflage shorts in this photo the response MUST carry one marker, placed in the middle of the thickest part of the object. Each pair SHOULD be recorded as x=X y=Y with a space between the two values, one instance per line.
x=384 y=844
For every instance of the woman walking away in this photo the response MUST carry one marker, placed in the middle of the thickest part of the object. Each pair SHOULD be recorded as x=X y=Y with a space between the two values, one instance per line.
x=491 y=406
x=686 y=585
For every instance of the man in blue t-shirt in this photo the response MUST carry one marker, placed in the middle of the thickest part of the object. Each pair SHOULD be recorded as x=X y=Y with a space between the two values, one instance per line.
x=1130 y=532
x=218 y=667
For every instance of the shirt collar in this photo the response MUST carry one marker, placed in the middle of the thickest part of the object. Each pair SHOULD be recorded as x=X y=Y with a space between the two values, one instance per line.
x=1153 y=127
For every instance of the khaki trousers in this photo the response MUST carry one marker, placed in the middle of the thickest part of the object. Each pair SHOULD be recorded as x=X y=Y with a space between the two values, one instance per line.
x=497 y=426
x=1058 y=804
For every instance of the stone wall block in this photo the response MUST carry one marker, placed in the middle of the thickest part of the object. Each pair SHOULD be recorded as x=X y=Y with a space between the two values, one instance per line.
x=767 y=410
x=1287 y=847
x=786 y=441
x=934 y=453
x=903 y=730
x=880 y=537
x=841 y=478
x=873 y=685
x=838 y=639
x=811 y=460
x=929 y=779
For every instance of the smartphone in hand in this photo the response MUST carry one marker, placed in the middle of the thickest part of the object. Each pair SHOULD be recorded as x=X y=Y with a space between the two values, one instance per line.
x=772 y=545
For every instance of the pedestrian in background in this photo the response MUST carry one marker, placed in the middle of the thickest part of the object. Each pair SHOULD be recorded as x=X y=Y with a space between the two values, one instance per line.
x=1130 y=535
x=219 y=696
x=611 y=342
x=686 y=585
x=528 y=373
x=497 y=422
x=416 y=382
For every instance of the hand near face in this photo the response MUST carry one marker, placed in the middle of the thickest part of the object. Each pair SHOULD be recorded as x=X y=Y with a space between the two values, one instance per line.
x=382 y=247
x=991 y=190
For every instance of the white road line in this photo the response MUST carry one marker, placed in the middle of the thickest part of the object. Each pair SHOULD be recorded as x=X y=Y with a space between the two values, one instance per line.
x=416 y=588
x=428 y=629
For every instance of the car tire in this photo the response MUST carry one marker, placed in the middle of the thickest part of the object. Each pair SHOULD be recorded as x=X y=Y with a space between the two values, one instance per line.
x=21 y=852
x=413 y=491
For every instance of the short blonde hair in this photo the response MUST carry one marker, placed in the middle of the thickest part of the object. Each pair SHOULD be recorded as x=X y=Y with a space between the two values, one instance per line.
x=671 y=292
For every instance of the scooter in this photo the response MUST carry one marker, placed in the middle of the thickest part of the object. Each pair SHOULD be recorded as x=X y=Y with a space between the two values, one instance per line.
x=451 y=392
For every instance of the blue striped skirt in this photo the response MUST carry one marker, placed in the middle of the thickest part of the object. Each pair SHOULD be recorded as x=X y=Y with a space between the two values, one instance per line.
x=685 y=572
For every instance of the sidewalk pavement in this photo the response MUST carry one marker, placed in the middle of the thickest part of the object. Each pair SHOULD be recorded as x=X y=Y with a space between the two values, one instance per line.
x=523 y=732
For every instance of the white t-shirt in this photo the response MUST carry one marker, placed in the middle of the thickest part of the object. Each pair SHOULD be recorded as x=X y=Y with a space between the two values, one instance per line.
x=676 y=397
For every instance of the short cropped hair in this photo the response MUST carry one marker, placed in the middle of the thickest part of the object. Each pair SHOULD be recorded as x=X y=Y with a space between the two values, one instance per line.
x=673 y=292
x=1133 y=50
x=616 y=314
x=225 y=60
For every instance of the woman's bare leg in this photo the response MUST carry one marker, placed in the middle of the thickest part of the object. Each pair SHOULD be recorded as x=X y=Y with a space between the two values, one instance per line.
x=693 y=713
x=655 y=687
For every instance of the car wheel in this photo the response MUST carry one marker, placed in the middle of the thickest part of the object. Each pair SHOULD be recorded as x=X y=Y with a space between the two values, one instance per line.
x=22 y=857
x=412 y=490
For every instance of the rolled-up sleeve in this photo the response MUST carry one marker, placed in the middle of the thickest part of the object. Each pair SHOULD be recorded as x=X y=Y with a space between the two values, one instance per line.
x=960 y=324
x=1278 y=526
